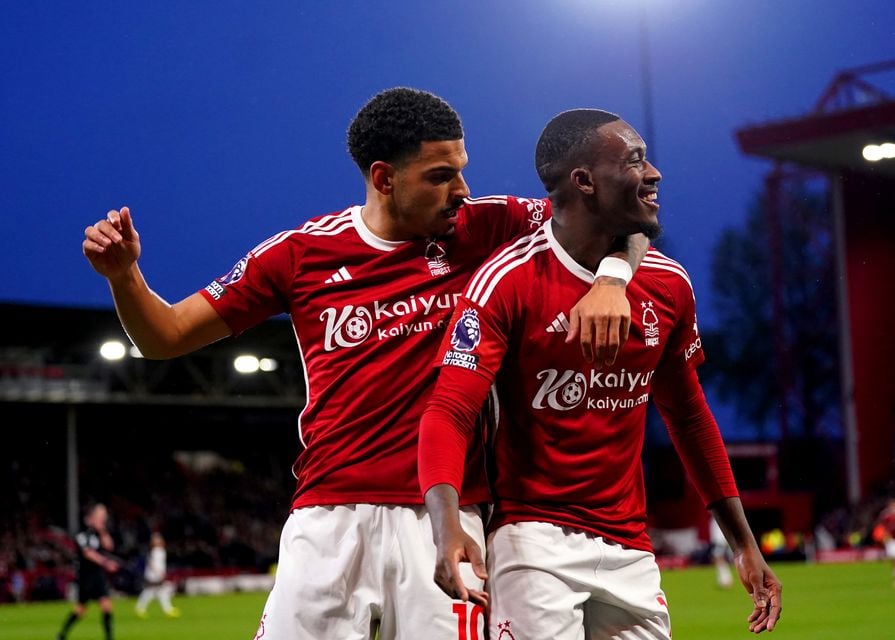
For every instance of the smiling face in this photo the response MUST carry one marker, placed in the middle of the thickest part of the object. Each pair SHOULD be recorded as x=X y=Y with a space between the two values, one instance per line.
x=428 y=188
x=625 y=183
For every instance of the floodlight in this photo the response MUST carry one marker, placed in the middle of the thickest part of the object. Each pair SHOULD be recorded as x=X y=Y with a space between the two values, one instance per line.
x=113 y=350
x=246 y=364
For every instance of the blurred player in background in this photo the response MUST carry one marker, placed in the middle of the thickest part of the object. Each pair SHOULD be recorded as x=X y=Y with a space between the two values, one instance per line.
x=94 y=542
x=722 y=555
x=369 y=289
x=884 y=531
x=568 y=552
x=156 y=586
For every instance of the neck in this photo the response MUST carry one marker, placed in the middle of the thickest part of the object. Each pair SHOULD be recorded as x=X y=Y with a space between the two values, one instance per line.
x=579 y=233
x=379 y=216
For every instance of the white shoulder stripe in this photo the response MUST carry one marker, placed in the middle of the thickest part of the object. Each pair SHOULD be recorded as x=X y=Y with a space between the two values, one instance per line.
x=487 y=200
x=326 y=222
x=490 y=265
x=673 y=268
x=334 y=231
x=499 y=269
x=277 y=239
x=263 y=244
x=532 y=250
x=658 y=256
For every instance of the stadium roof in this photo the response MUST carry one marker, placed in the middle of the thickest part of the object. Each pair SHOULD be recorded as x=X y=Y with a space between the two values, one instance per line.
x=51 y=355
x=850 y=114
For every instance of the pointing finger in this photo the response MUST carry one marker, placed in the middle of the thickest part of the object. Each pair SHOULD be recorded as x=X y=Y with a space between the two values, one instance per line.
x=127 y=224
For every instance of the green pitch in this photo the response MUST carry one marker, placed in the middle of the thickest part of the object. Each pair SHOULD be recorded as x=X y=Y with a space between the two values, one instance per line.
x=820 y=602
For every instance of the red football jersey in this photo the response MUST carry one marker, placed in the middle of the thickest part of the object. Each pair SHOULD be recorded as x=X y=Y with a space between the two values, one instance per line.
x=368 y=315
x=568 y=447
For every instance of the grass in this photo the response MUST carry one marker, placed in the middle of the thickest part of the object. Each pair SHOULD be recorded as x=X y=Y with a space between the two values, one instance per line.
x=820 y=602
x=219 y=617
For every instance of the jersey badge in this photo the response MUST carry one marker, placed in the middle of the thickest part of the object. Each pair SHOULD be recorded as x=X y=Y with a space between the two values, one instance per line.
x=650 y=324
x=235 y=273
x=436 y=259
x=505 y=633
x=467 y=333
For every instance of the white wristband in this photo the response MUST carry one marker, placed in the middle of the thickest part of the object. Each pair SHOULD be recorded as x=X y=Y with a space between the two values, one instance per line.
x=615 y=268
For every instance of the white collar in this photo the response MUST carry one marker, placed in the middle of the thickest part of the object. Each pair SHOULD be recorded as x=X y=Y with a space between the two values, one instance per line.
x=564 y=258
x=368 y=236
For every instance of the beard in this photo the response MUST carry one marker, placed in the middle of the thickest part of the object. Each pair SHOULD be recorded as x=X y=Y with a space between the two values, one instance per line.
x=651 y=230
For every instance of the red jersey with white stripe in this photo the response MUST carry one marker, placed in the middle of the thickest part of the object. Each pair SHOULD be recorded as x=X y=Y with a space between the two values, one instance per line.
x=568 y=447
x=368 y=315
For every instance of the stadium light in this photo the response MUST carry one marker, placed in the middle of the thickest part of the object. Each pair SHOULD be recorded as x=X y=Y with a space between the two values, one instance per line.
x=877 y=152
x=246 y=364
x=113 y=350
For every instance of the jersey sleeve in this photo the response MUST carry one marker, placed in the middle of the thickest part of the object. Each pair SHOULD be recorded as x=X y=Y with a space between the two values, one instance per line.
x=694 y=432
x=679 y=397
x=256 y=288
x=495 y=220
x=684 y=346
x=476 y=339
x=470 y=357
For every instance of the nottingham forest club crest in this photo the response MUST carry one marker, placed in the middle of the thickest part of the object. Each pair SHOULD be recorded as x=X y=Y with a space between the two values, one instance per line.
x=505 y=632
x=650 y=324
x=436 y=259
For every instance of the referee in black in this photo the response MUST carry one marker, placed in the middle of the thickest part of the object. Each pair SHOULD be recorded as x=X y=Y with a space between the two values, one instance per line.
x=94 y=542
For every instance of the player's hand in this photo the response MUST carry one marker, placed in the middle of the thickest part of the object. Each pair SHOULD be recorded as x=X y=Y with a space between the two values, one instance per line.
x=453 y=548
x=110 y=565
x=764 y=587
x=602 y=318
x=112 y=245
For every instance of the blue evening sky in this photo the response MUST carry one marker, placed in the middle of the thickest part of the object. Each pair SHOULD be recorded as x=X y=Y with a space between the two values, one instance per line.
x=221 y=123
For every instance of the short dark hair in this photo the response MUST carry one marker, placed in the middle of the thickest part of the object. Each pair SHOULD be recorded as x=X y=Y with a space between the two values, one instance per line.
x=563 y=141
x=395 y=122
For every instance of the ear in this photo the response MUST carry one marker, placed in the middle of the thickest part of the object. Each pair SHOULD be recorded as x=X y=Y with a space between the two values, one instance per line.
x=582 y=180
x=382 y=176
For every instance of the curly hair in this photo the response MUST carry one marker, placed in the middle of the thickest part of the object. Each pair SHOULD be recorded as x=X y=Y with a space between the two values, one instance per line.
x=395 y=122
x=564 y=139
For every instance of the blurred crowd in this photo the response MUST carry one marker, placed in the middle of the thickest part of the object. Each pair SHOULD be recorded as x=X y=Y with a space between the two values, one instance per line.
x=216 y=515
x=851 y=528
x=220 y=515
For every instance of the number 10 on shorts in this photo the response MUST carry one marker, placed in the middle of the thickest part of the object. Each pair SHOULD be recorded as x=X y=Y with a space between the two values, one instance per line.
x=468 y=616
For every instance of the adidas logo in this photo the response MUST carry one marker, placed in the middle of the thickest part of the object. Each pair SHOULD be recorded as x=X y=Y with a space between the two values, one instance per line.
x=560 y=324
x=339 y=276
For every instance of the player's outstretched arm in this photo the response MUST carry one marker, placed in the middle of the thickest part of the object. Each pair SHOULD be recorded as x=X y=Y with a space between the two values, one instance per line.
x=158 y=329
x=757 y=577
x=453 y=545
x=97 y=558
x=602 y=318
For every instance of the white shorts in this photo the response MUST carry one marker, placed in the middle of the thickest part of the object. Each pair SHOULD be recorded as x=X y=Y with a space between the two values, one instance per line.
x=548 y=581
x=346 y=571
x=889 y=546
